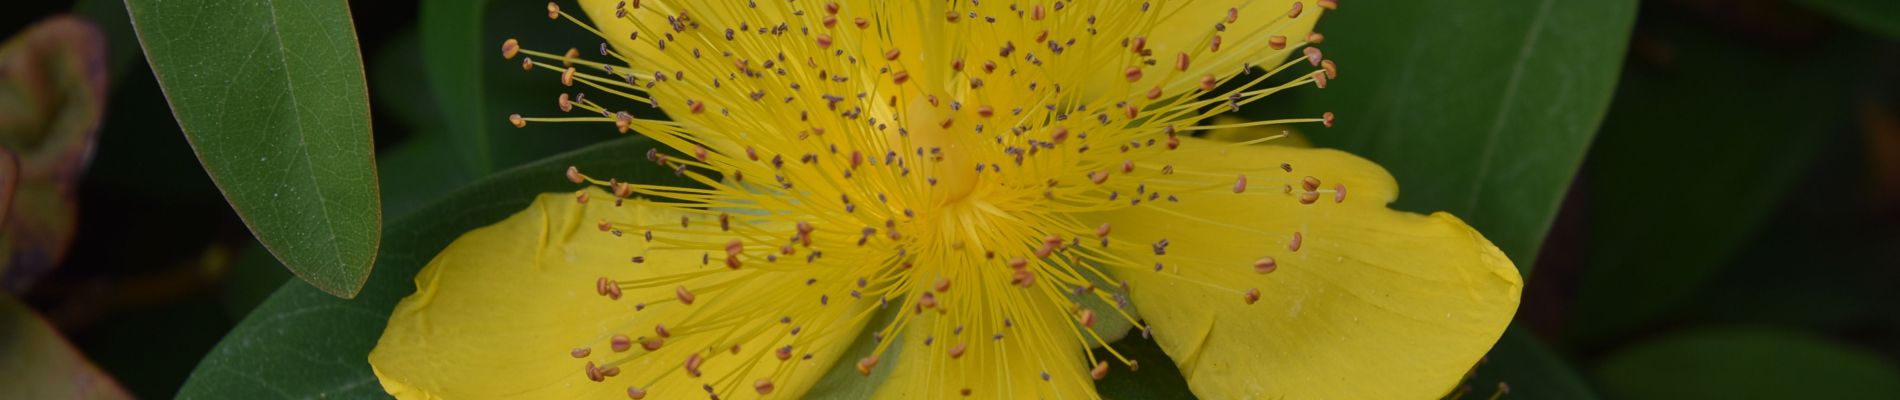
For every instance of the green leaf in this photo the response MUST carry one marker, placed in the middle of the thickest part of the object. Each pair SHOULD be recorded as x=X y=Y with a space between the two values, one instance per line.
x=1877 y=16
x=1481 y=108
x=1747 y=364
x=1669 y=212
x=1529 y=368
x=272 y=98
x=451 y=32
x=42 y=365
x=302 y=343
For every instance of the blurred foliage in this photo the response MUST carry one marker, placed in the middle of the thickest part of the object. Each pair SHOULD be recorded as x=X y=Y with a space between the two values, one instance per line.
x=1688 y=92
x=42 y=365
x=1747 y=364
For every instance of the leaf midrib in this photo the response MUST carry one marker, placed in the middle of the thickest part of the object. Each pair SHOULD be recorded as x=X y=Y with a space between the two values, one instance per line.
x=303 y=145
x=1506 y=103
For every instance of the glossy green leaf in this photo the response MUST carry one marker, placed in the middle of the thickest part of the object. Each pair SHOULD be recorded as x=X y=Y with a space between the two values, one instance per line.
x=1747 y=364
x=301 y=343
x=40 y=364
x=1481 y=108
x=1685 y=171
x=271 y=95
x=1877 y=16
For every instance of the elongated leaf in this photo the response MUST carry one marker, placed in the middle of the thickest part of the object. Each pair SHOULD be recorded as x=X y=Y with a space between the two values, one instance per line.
x=1667 y=216
x=1483 y=108
x=329 y=339
x=1747 y=364
x=454 y=57
x=272 y=97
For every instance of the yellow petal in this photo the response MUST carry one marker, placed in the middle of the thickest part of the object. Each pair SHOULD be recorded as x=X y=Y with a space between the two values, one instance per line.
x=499 y=313
x=1375 y=303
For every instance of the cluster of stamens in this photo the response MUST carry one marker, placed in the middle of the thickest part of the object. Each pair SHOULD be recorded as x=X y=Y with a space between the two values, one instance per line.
x=947 y=179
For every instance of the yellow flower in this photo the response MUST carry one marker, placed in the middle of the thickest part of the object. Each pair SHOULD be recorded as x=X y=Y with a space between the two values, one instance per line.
x=987 y=188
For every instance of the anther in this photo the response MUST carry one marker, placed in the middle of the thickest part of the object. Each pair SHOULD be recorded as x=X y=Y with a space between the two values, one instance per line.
x=1100 y=371
x=1332 y=69
x=685 y=296
x=554 y=10
x=1240 y=184
x=1328 y=4
x=763 y=386
x=1294 y=245
x=1059 y=135
x=943 y=284
x=593 y=372
x=1252 y=295
x=566 y=106
x=865 y=365
x=517 y=121
x=621 y=343
x=652 y=344
x=567 y=77
x=1309 y=183
x=623 y=121
x=580 y=197
x=660 y=329
x=783 y=353
x=1315 y=38
x=1213 y=45
x=527 y=64
x=636 y=393
x=1319 y=79
x=1309 y=197
x=1295 y=12
x=1328 y=118
x=692 y=364
x=957 y=351
x=1208 y=82
x=1313 y=55
x=892 y=54
x=580 y=352
x=1154 y=93
x=1339 y=193
x=824 y=41
x=1181 y=61
x=1265 y=265
x=510 y=48
x=567 y=59
x=1276 y=42
x=1088 y=318
x=1023 y=278
x=1102 y=231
